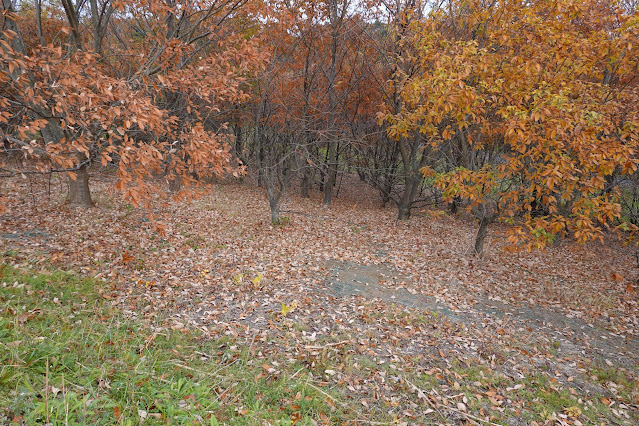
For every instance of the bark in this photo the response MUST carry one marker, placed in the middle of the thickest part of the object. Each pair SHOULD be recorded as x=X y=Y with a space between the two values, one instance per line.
x=79 y=190
x=413 y=158
x=239 y=144
x=10 y=24
x=403 y=209
x=274 y=198
x=79 y=193
x=274 y=204
x=38 y=8
x=481 y=236
x=408 y=196
x=332 y=173
x=454 y=205
x=336 y=17
x=175 y=184
x=486 y=213
x=100 y=20
x=322 y=183
x=306 y=183
x=387 y=187
x=260 y=166
x=307 y=174
x=72 y=18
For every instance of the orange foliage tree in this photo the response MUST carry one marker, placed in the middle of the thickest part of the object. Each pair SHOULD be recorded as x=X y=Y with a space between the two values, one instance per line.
x=138 y=86
x=537 y=102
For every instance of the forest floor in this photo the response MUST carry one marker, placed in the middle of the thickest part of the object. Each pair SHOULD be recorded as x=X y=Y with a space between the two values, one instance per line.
x=376 y=321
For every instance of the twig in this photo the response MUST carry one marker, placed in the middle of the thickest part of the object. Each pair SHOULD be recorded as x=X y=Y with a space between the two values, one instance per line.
x=295 y=374
x=470 y=416
x=233 y=385
x=327 y=395
x=425 y=397
x=343 y=342
x=463 y=413
x=66 y=402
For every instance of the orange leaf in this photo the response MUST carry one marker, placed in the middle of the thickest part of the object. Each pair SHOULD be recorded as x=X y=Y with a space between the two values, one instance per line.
x=616 y=277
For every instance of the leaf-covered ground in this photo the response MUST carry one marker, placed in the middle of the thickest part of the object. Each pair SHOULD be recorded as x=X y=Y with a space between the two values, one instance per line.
x=396 y=322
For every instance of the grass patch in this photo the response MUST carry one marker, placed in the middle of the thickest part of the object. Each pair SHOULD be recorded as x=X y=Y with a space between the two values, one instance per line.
x=67 y=356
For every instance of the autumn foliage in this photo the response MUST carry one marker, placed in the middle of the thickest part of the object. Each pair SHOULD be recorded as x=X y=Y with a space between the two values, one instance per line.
x=140 y=88
x=523 y=112
x=538 y=101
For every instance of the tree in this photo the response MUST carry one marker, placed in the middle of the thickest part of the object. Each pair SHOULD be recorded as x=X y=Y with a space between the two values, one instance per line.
x=541 y=100
x=401 y=65
x=105 y=93
x=306 y=100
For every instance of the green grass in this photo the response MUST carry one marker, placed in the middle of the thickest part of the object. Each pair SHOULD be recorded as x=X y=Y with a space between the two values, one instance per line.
x=68 y=357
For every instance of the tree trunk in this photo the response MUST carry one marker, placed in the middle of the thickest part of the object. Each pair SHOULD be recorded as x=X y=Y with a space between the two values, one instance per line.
x=336 y=19
x=323 y=171
x=481 y=236
x=239 y=144
x=306 y=183
x=332 y=174
x=79 y=193
x=274 y=198
x=260 y=165
x=274 y=203
x=486 y=213
x=387 y=181
x=38 y=11
x=453 y=206
x=406 y=202
x=175 y=184
x=10 y=24
x=403 y=212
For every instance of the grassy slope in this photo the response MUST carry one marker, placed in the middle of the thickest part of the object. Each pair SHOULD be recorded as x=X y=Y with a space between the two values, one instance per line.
x=68 y=357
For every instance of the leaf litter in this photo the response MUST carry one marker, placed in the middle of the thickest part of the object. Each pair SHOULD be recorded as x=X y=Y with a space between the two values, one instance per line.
x=396 y=316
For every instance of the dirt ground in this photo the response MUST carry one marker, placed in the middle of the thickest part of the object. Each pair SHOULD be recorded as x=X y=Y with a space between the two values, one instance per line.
x=346 y=277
